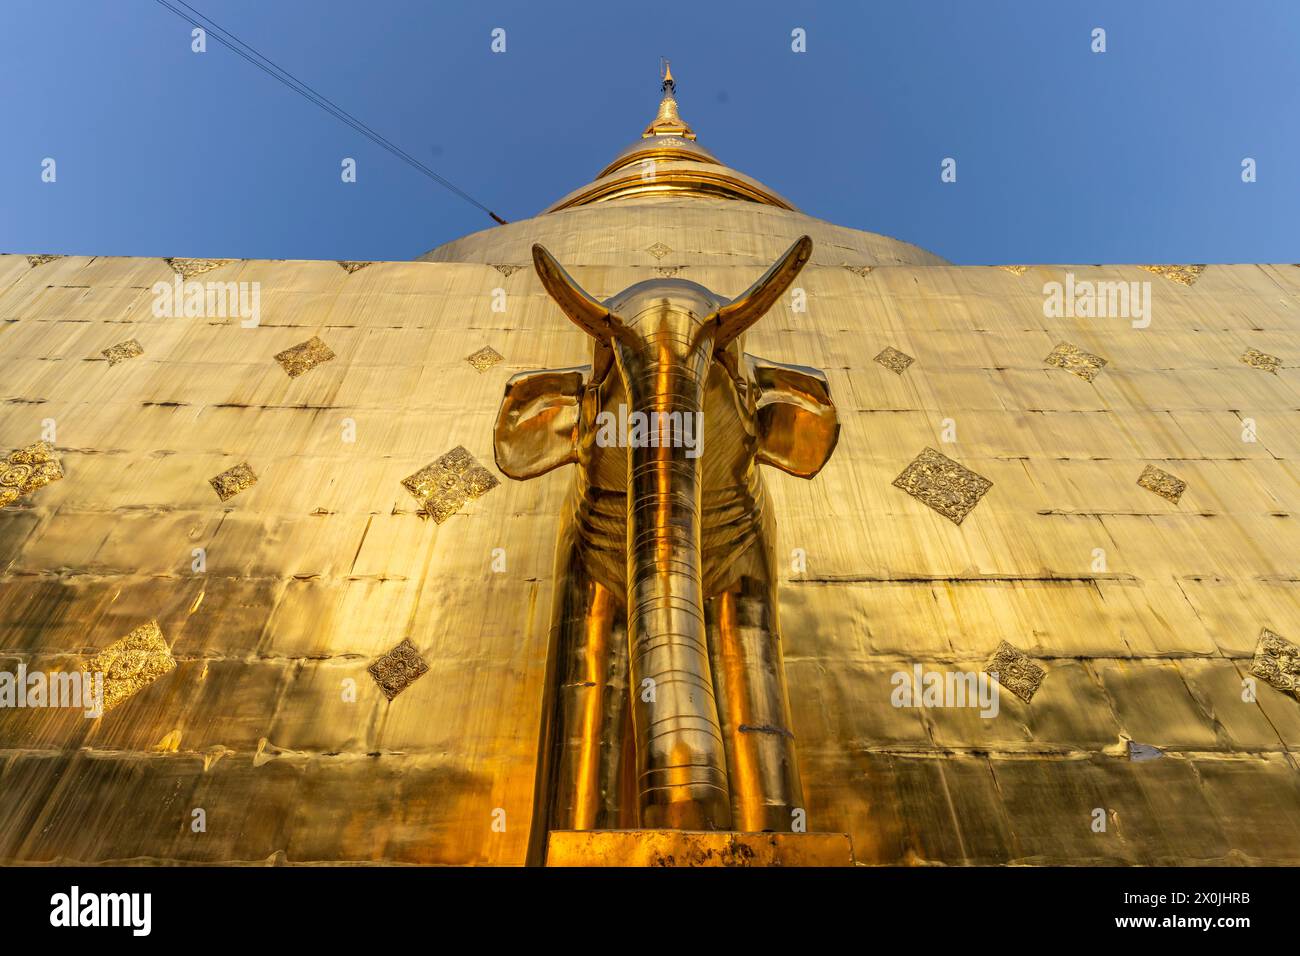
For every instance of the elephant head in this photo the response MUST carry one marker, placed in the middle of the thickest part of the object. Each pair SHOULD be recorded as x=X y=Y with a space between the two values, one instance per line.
x=657 y=346
x=540 y=425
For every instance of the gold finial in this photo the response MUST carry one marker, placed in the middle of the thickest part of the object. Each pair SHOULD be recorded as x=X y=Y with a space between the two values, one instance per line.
x=668 y=123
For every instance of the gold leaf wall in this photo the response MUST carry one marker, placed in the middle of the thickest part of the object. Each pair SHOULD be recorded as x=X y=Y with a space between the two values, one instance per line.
x=326 y=563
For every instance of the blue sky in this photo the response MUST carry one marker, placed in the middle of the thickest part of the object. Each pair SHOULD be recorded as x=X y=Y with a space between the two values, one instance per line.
x=1062 y=155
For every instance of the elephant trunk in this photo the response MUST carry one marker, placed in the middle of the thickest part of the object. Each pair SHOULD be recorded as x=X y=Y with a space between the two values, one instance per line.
x=680 y=757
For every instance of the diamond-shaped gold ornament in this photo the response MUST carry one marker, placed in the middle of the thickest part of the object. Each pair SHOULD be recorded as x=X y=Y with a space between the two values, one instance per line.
x=862 y=271
x=351 y=265
x=1162 y=483
x=444 y=486
x=233 y=480
x=478 y=481
x=1015 y=671
x=894 y=360
x=123 y=351
x=939 y=482
x=1277 y=661
x=131 y=663
x=27 y=469
x=658 y=250
x=304 y=356
x=189 y=268
x=1183 y=275
x=1074 y=359
x=398 y=669
x=484 y=358
x=507 y=270
x=1261 y=360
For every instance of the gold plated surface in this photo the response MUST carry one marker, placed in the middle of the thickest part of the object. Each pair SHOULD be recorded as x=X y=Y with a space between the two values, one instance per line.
x=647 y=154
x=711 y=747
x=673 y=179
x=679 y=848
x=667 y=122
x=325 y=569
x=667 y=162
x=1145 y=617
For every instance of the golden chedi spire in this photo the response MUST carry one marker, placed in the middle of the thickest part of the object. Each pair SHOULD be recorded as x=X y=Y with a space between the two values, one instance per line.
x=668 y=122
x=666 y=161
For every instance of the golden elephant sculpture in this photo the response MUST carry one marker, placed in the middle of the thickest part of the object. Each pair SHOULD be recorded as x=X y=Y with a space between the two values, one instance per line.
x=666 y=704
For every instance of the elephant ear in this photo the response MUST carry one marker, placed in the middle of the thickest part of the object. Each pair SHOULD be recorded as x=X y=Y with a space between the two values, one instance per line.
x=797 y=422
x=537 y=427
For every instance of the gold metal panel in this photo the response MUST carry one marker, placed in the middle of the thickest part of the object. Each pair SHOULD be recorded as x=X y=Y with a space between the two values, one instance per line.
x=723 y=237
x=883 y=586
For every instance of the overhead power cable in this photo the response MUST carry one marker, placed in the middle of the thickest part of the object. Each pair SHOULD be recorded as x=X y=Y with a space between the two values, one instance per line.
x=267 y=66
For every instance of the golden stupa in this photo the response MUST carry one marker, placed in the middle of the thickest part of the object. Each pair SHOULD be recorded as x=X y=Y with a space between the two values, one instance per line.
x=322 y=610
